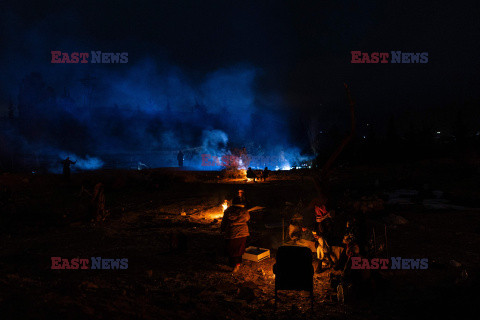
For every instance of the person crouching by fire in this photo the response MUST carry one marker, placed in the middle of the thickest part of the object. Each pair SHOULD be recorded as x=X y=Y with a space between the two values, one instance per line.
x=235 y=229
x=323 y=234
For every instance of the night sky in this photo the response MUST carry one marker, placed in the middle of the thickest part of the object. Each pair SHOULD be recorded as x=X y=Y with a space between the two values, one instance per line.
x=290 y=58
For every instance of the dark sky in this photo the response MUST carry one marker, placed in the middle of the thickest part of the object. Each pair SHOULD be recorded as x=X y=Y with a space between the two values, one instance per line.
x=301 y=49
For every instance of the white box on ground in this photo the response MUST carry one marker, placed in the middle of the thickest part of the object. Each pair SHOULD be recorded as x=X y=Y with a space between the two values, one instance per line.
x=256 y=254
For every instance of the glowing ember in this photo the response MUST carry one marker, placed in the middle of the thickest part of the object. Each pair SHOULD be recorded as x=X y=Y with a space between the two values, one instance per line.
x=225 y=205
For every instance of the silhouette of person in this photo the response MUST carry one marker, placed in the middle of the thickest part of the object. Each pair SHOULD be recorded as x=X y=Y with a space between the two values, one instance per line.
x=265 y=173
x=251 y=174
x=66 y=168
x=180 y=158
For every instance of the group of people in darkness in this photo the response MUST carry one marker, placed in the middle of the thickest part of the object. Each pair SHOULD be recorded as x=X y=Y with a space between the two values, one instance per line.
x=263 y=176
x=313 y=228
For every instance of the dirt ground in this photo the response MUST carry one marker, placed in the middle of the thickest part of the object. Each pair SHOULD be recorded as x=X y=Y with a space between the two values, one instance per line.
x=166 y=223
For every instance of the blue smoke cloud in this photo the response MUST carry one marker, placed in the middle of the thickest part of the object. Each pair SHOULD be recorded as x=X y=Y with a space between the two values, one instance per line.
x=87 y=163
x=144 y=111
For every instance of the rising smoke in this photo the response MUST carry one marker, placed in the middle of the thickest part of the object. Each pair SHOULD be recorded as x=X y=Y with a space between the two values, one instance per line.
x=146 y=110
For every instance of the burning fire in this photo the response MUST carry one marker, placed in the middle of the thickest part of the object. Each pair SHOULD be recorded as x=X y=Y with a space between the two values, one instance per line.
x=215 y=213
x=244 y=173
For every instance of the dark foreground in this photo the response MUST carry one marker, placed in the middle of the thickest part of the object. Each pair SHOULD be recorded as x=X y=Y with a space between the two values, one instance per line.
x=43 y=217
